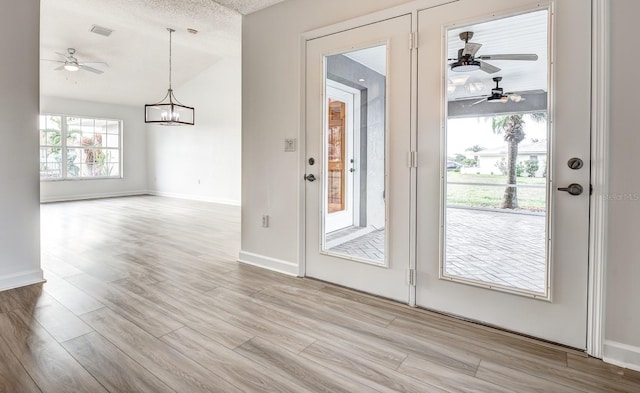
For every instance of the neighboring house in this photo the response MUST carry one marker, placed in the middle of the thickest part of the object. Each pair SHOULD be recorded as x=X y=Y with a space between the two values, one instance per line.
x=489 y=160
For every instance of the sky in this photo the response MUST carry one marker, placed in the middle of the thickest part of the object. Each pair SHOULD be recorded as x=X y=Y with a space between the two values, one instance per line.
x=463 y=133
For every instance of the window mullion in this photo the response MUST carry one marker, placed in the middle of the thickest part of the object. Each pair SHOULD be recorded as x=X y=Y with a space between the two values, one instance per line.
x=63 y=146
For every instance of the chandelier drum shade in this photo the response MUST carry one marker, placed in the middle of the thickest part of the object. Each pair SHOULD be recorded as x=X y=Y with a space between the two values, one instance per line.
x=169 y=111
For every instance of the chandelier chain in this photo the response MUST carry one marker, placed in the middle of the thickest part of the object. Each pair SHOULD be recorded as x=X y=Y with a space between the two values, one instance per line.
x=170 y=34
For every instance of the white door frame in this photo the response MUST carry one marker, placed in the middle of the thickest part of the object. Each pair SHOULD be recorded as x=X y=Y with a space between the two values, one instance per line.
x=600 y=156
x=352 y=151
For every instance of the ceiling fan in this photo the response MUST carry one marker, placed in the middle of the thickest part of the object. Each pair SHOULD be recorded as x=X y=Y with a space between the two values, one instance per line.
x=71 y=63
x=468 y=61
x=498 y=94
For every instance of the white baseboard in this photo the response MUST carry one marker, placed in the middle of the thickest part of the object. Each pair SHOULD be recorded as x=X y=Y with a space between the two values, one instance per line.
x=277 y=265
x=622 y=355
x=80 y=197
x=21 y=279
x=199 y=198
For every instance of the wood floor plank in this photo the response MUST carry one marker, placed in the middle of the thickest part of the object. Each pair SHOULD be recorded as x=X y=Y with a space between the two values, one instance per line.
x=446 y=378
x=518 y=381
x=191 y=312
x=362 y=312
x=291 y=366
x=61 y=323
x=13 y=377
x=50 y=366
x=76 y=300
x=235 y=368
x=372 y=374
x=167 y=364
x=112 y=367
x=377 y=352
x=607 y=375
x=460 y=360
x=138 y=310
x=486 y=348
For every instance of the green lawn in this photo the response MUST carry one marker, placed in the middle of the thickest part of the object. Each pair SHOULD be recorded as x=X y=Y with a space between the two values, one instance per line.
x=532 y=199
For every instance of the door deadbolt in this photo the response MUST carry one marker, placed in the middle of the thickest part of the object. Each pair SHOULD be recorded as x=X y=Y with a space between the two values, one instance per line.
x=573 y=189
x=312 y=161
x=575 y=163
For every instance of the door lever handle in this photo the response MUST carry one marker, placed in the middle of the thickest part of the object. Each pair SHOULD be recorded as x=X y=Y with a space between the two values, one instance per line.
x=573 y=189
x=309 y=177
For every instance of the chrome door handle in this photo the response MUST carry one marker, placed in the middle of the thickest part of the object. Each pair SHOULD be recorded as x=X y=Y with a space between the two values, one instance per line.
x=309 y=177
x=573 y=189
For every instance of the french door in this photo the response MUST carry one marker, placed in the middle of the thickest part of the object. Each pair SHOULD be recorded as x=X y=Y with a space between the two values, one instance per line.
x=503 y=174
x=357 y=181
x=501 y=180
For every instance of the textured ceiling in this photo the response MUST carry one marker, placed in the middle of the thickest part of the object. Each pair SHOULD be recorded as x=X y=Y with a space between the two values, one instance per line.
x=137 y=51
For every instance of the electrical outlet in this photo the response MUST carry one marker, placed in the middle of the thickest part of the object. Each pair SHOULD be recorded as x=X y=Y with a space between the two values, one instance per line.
x=290 y=144
x=265 y=221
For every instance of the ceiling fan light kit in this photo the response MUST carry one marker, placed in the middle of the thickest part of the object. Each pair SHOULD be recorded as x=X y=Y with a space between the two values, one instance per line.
x=71 y=63
x=169 y=111
x=465 y=65
x=73 y=67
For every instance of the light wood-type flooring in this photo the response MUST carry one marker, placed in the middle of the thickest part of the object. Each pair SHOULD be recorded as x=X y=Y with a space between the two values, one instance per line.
x=144 y=294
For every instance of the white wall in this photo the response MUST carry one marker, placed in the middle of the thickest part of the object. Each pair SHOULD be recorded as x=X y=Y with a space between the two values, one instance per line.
x=202 y=162
x=19 y=190
x=622 y=330
x=270 y=177
x=134 y=151
x=271 y=112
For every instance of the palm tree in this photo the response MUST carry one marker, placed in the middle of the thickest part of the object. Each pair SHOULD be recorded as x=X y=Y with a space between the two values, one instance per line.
x=512 y=128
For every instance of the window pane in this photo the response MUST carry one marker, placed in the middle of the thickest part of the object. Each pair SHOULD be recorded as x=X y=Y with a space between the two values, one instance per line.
x=113 y=140
x=50 y=163
x=354 y=212
x=113 y=127
x=74 y=157
x=496 y=163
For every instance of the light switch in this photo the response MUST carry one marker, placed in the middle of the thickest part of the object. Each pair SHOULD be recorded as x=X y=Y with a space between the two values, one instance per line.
x=290 y=145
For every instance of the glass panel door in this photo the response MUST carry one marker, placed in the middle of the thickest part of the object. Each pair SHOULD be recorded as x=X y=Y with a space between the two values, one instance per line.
x=502 y=233
x=357 y=201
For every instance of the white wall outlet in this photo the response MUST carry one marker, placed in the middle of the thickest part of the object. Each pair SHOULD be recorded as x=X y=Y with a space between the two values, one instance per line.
x=265 y=221
x=290 y=144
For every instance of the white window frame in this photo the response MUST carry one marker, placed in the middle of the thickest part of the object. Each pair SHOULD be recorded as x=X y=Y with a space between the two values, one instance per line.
x=63 y=148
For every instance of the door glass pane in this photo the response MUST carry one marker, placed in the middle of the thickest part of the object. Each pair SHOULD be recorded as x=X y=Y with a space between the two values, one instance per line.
x=497 y=149
x=354 y=213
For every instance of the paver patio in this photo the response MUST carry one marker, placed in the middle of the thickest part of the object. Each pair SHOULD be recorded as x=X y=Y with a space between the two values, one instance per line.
x=501 y=248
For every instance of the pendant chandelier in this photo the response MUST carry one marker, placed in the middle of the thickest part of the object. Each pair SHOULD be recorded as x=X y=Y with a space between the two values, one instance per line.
x=169 y=111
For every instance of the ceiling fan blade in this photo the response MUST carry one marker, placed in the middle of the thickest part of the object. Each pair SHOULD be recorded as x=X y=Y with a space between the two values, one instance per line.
x=90 y=69
x=59 y=68
x=471 y=49
x=53 y=61
x=94 y=63
x=522 y=56
x=488 y=68
x=522 y=92
x=65 y=55
x=479 y=101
